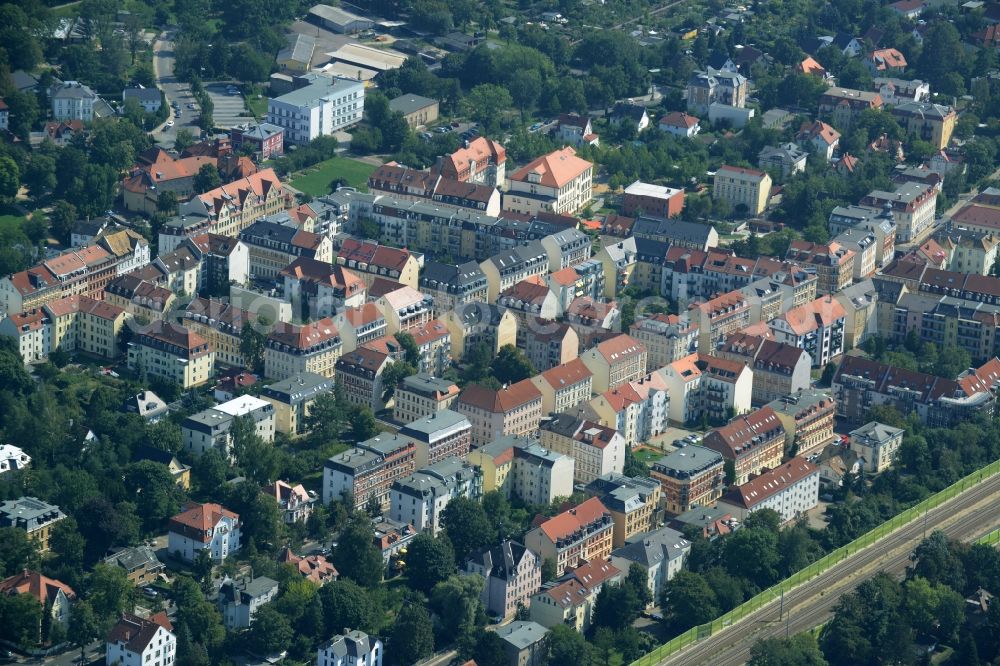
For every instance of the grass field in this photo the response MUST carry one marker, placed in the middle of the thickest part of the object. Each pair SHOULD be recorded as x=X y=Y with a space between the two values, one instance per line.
x=316 y=180
x=647 y=455
x=7 y=221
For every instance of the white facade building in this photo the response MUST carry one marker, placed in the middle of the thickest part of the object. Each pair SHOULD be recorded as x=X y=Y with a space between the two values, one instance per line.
x=136 y=641
x=12 y=458
x=204 y=527
x=790 y=489
x=73 y=101
x=324 y=106
x=354 y=648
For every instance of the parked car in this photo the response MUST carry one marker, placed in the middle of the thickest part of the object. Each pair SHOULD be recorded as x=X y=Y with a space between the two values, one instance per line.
x=170 y=123
x=150 y=592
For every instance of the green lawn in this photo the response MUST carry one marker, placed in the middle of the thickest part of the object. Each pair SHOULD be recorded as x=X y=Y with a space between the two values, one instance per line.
x=316 y=180
x=647 y=455
x=9 y=221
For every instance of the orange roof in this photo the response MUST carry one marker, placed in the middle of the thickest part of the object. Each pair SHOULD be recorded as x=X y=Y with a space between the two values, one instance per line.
x=679 y=119
x=620 y=347
x=566 y=276
x=531 y=290
x=567 y=374
x=304 y=336
x=573 y=520
x=819 y=129
x=687 y=367
x=822 y=312
x=742 y=170
x=755 y=491
x=238 y=191
x=42 y=588
x=202 y=517
x=810 y=66
x=361 y=315
x=887 y=58
x=503 y=400
x=556 y=169
x=429 y=332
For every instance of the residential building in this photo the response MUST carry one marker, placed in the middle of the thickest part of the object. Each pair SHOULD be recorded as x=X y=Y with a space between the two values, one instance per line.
x=932 y=123
x=712 y=521
x=209 y=527
x=860 y=302
x=422 y=395
x=748 y=190
x=667 y=338
x=365 y=472
x=753 y=442
x=630 y=114
x=144 y=183
x=817 y=328
x=452 y=285
x=689 y=477
x=72 y=100
x=564 y=386
x=524 y=643
x=510 y=410
x=371 y=260
x=210 y=428
x=512 y=574
x=655 y=201
x=265 y=139
x=420 y=499
x=314 y=568
x=913 y=208
x=140 y=298
x=416 y=110
x=239 y=600
x=12 y=458
x=791 y=489
x=634 y=504
x=480 y=324
x=619 y=260
x=969 y=251
x=571 y=600
x=324 y=106
x=548 y=343
x=149 y=99
x=352 y=648
x=833 y=263
x=274 y=246
x=877 y=445
x=405 y=309
x=359 y=377
x=35 y=517
x=295 y=348
x=295 y=502
x=818 y=138
x=54 y=596
x=597 y=450
x=660 y=552
x=718 y=87
x=577 y=535
x=180 y=472
x=559 y=182
x=359 y=326
x=537 y=475
x=615 y=362
x=860 y=384
x=779 y=369
x=807 y=417
x=843 y=106
x=785 y=160
x=885 y=62
x=575 y=130
x=865 y=246
x=482 y=161
x=405 y=185
x=139 y=563
x=137 y=641
x=440 y=435
x=293 y=399
x=719 y=318
x=680 y=124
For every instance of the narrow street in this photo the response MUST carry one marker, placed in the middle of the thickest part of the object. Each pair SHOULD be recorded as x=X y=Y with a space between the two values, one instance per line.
x=175 y=91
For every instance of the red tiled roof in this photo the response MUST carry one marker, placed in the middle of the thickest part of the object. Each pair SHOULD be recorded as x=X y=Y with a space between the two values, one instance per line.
x=303 y=336
x=768 y=484
x=200 y=518
x=136 y=632
x=566 y=523
x=502 y=400
x=619 y=348
x=41 y=588
x=567 y=374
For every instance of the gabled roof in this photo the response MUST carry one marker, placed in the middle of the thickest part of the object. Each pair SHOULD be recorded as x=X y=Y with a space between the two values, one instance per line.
x=573 y=520
x=304 y=336
x=202 y=517
x=41 y=588
x=136 y=633
x=678 y=119
x=373 y=254
x=502 y=400
x=770 y=483
x=620 y=348
x=733 y=438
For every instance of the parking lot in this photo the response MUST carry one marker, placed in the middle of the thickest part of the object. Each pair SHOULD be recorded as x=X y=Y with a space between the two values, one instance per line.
x=229 y=108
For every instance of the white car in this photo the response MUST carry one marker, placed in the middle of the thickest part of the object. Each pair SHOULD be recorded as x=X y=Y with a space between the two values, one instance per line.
x=170 y=123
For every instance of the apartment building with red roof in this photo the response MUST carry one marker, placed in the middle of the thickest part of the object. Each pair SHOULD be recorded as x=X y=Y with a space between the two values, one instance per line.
x=138 y=641
x=779 y=369
x=293 y=348
x=817 y=328
x=171 y=352
x=791 y=489
x=559 y=182
x=615 y=362
x=564 y=386
x=752 y=442
x=142 y=187
x=359 y=377
x=55 y=596
x=198 y=527
x=511 y=410
x=481 y=161
x=371 y=260
x=577 y=535
x=318 y=289
x=720 y=317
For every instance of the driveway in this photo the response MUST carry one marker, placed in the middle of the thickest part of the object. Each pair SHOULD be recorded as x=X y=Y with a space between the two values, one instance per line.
x=175 y=91
x=230 y=110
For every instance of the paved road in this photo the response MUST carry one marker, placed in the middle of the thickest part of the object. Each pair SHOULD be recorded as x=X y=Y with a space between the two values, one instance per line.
x=966 y=517
x=175 y=91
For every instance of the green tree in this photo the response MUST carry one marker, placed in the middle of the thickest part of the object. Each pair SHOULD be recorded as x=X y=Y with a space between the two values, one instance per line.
x=356 y=555
x=206 y=179
x=363 y=424
x=10 y=178
x=270 y=633
x=633 y=467
x=260 y=516
x=24 y=113
x=412 y=636
x=567 y=646
x=166 y=202
x=867 y=626
x=17 y=552
x=61 y=220
x=799 y=650
x=511 y=365
x=456 y=604
x=210 y=472
x=21 y=618
x=489 y=650
x=347 y=604
x=252 y=344
x=485 y=103
x=467 y=526
x=429 y=561
x=550 y=569
x=410 y=348
x=110 y=594
x=67 y=543
x=183 y=140
x=84 y=627
x=688 y=601
x=157 y=495
x=392 y=375
x=617 y=607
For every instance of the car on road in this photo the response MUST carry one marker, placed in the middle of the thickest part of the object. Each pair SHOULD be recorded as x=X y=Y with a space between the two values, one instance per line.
x=192 y=106
x=170 y=123
x=535 y=127
x=150 y=592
